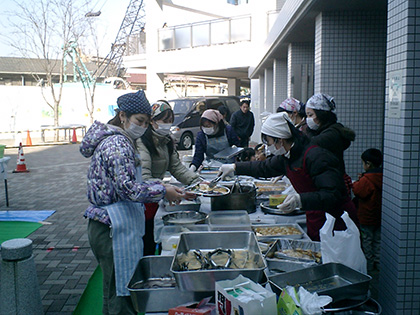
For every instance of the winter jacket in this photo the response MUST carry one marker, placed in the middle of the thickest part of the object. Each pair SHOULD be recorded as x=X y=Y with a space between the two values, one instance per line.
x=112 y=172
x=368 y=190
x=201 y=144
x=155 y=166
x=243 y=124
x=323 y=168
x=333 y=137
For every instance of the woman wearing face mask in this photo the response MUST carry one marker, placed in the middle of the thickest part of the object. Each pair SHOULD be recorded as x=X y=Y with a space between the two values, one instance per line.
x=116 y=194
x=214 y=137
x=296 y=111
x=158 y=155
x=313 y=171
x=324 y=130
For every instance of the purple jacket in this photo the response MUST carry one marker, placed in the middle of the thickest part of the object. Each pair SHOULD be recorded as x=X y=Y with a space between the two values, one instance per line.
x=112 y=172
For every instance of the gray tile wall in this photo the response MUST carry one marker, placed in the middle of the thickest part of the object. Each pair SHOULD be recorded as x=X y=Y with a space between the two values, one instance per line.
x=349 y=57
x=400 y=258
x=300 y=59
x=268 y=85
x=279 y=82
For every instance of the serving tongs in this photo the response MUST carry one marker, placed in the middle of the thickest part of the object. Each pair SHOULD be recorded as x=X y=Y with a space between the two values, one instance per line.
x=214 y=182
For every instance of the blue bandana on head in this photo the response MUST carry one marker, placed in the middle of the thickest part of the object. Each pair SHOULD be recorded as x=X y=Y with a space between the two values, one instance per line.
x=134 y=103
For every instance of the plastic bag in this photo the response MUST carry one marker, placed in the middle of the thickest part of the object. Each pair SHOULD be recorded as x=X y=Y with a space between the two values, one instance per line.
x=312 y=303
x=342 y=246
x=288 y=303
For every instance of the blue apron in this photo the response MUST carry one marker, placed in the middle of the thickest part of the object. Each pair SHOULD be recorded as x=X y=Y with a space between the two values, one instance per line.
x=215 y=145
x=127 y=228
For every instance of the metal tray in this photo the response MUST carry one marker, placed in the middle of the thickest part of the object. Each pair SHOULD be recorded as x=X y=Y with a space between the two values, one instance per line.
x=184 y=218
x=158 y=299
x=266 y=208
x=333 y=279
x=185 y=205
x=204 y=280
x=299 y=232
x=282 y=244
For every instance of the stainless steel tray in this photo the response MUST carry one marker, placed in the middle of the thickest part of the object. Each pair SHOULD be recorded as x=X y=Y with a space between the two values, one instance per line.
x=185 y=205
x=204 y=280
x=266 y=208
x=333 y=279
x=299 y=233
x=184 y=218
x=158 y=299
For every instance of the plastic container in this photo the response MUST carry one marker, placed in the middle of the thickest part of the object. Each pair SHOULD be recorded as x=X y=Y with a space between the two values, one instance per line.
x=170 y=234
x=2 y=147
x=231 y=220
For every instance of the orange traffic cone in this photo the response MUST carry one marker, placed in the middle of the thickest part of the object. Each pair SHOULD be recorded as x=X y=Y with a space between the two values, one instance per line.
x=21 y=166
x=28 y=139
x=74 y=138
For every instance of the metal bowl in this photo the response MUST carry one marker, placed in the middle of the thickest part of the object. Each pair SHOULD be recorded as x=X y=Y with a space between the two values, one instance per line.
x=184 y=218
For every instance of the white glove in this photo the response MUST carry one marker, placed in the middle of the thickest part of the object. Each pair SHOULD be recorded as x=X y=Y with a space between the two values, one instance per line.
x=290 y=203
x=226 y=169
x=234 y=146
x=193 y=168
x=276 y=179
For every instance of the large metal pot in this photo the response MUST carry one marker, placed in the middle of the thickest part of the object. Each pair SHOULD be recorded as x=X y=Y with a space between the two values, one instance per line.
x=241 y=197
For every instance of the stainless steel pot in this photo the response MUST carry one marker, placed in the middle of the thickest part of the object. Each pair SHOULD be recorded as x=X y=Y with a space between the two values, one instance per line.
x=242 y=197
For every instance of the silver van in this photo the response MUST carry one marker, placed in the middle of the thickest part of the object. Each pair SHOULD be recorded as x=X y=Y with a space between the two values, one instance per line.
x=188 y=112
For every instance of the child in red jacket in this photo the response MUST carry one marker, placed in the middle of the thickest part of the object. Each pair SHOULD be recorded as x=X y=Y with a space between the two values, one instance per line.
x=368 y=191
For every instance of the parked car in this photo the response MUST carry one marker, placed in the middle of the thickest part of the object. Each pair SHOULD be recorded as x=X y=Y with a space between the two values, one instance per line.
x=188 y=112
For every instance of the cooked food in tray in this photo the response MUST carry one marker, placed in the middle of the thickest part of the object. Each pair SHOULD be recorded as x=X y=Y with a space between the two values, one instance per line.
x=299 y=253
x=268 y=186
x=205 y=190
x=277 y=230
x=219 y=258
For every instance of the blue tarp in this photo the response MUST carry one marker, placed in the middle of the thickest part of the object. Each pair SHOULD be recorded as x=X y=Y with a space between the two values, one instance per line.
x=25 y=215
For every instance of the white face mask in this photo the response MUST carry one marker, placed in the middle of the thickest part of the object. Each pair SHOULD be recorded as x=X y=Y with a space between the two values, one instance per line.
x=312 y=124
x=164 y=128
x=135 y=131
x=273 y=150
x=208 y=130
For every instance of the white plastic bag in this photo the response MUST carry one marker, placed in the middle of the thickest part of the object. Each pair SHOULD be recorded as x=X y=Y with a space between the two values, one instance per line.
x=342 y=246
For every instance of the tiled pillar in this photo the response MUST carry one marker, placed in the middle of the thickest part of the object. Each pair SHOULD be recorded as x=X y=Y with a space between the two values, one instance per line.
x=400 y=252
x=268 y=85
x=256 y=108
x=350 y=66
x=279 y=82
x=300 y=66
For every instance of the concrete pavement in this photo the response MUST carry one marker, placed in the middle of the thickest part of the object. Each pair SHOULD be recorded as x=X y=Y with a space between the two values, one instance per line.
x=56 y=181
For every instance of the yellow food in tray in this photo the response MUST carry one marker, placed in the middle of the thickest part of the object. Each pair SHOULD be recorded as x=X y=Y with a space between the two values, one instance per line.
x=276 y=230
x=275 y=200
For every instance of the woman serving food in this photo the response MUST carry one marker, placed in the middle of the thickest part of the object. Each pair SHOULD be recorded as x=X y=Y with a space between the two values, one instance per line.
x=314 y=172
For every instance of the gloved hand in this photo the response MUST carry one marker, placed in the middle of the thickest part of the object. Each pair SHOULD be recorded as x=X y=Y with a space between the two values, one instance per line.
x=193 y=168
x=290 y=203
x=226 y=169
x=276 y=179
x=234 y=147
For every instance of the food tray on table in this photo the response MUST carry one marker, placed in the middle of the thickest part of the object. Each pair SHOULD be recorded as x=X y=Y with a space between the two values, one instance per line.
x=184 y=217
x=266 y=208
x=184 y=205
x=206 y=191
x=275 y=231
x=153 y=287
x=266 y=188
x=291 y=254
x=333 y=279
x=231 y=220
x=202 y=258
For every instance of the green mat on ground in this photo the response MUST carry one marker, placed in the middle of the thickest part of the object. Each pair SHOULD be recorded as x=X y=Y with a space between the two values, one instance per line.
x=91 y=301
x=16 y=229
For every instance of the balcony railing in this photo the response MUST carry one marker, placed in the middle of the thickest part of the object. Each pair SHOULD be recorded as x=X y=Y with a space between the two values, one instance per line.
x=214 y=32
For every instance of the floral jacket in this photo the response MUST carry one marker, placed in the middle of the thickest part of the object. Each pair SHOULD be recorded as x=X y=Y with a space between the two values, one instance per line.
x=112 y=172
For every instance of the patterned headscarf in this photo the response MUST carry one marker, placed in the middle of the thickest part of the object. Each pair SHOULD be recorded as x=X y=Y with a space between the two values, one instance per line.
x=321 y=101
x=212 y=115
x=290 y=104
x=159 y=107
x=134 y=103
